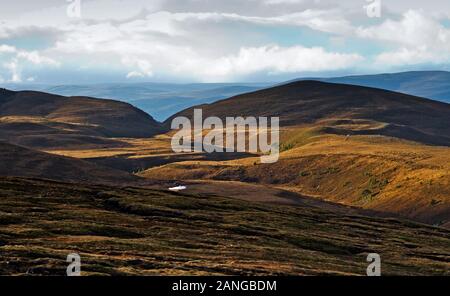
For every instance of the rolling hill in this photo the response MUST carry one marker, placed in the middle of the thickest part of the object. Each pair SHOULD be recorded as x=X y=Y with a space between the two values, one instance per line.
x=348 y=161
x=43 y=120
x=428 y=84
x=357 y=146
x=23 y=162
x=161 y=100
x=334 y=106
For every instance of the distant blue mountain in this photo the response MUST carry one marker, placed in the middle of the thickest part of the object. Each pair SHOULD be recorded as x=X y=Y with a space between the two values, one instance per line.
x=428 y=84
x=161 y=100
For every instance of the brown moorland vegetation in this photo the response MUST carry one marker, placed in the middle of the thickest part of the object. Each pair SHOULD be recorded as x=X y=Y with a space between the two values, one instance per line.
x=41 y=120
x=135 y=231
x=370 y=172
x=351 y=157
x=311 y=102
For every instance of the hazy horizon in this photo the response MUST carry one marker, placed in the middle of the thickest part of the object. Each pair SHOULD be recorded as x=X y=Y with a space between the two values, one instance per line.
x=170 y=82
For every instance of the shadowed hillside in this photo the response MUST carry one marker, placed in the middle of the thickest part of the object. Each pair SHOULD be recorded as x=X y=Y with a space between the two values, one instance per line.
x=132 y=231
x=40 y=120
x=161 y=100
x=23 y=162
x=313 y=102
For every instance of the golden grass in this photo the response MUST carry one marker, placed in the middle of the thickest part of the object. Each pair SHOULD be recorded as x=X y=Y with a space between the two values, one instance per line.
x=133 y=148
x=371 y=172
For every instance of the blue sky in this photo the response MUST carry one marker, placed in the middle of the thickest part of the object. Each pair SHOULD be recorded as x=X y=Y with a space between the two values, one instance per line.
x=217 y=41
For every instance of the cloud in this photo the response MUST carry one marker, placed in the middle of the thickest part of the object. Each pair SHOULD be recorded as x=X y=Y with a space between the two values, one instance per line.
x=144 y=54
x=134 y=74
x=322 y=20
x=3 y=31
x=36 y=58
x=15 y=60
x=413 y=29
x=406 y=56
x=144 y=67
x=7 y=49
x=13 y=67
x=220 y=40
x=420 y=39
x=274 y=60
x=172 y=43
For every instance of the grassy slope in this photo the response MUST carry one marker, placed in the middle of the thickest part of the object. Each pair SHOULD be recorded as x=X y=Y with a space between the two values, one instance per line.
x=370 y=172
x=23 y=162
x=141 y=231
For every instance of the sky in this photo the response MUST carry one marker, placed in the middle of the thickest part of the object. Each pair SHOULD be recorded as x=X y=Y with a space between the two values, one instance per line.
x=97 y=41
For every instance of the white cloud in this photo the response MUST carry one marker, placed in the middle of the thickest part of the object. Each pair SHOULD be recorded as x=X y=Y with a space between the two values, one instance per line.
x=331 y=21
x=414 y=29
x=134 y=74
x=272 y=58
x=7 y=49
x=322 y=20
x=166 y=42
x=144 y=67
x=16 y=59
x=13 y=67
x=224 y=40
x=405 y=56
x=36 y=58
x=144 y=55
x=420 y=39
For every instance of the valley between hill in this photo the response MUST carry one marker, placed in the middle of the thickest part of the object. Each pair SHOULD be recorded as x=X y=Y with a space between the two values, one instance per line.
x=372 y=151
x=396 y=177
x=90 y=176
